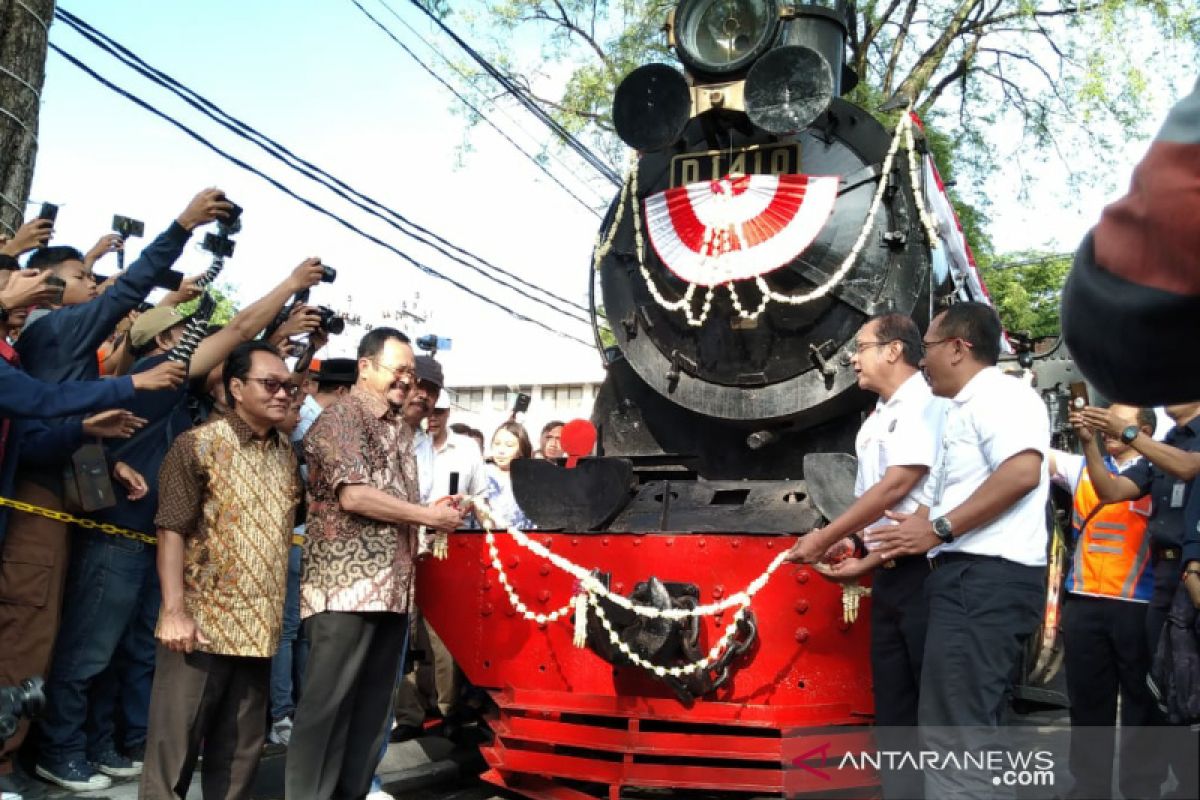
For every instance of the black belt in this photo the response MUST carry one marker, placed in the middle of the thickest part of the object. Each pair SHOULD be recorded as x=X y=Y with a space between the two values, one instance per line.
x=951 y=558
x=1166 y=552
x=903 y=561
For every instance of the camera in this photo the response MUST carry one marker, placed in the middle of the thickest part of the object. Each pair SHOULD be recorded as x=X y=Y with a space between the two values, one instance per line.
x=328 y=274
x=126 y=227
x=18 y=702
x=331 y=321
x=49 y=211
x=431 y=343
x=521 y=405
x=219 y=243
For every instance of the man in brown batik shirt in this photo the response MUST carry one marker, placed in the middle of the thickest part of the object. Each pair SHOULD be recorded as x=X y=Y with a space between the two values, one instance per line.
x=356 y=574
x=229 y=491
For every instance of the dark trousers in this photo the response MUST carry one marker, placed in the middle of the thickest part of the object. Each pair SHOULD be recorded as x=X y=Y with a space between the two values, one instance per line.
x=1180 y=751
x=218 y=702
x=1106 y=658
x=112 y=586
x=345 y=702
x=899 y=617
x=982 y=611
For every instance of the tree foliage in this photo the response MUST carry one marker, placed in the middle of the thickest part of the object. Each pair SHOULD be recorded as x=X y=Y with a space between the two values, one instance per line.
x=227 y=309
x=1026 y=288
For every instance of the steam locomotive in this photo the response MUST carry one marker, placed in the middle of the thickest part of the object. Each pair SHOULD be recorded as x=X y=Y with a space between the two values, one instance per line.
x=764 y=220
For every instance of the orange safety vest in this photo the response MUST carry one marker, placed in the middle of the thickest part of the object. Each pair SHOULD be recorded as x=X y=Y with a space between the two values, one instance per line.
x=1112 y=551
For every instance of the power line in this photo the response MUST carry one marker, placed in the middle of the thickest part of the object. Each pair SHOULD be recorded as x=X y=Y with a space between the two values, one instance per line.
x=474 y=109
x=522 y=97
x=466 y=77
x=304 y=200
x=313 y=172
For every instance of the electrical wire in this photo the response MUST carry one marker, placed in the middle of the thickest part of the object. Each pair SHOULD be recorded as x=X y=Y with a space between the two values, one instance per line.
x=311 y=171
x=522 y=97
x=304 y=200
x=602 y=199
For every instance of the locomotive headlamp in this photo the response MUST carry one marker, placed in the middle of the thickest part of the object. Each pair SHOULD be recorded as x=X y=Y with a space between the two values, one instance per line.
x=719 y=37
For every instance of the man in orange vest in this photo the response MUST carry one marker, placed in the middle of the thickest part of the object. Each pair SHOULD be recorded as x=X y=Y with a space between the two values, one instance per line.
x=1109 y=588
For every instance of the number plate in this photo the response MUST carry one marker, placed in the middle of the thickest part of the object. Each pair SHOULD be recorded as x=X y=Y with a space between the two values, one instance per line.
x=771 y=159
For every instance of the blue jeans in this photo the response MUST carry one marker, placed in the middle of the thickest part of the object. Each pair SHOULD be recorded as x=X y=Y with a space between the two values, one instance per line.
x=287 y=667
x=112 y=588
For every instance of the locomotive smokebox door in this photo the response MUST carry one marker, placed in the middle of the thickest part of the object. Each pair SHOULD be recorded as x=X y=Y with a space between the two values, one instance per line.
x=651 y=107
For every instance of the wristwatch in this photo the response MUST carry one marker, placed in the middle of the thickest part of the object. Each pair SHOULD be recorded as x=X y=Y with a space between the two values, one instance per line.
x=1129 y=434
x=943 y=530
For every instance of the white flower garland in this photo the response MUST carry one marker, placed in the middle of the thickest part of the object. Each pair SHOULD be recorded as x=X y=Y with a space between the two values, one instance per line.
x=903 y=133
x=592 y=591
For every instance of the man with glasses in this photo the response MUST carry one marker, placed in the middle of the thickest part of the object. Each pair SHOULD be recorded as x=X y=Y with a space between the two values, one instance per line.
x=986 y=543
x=111 y=600
x=230 y=489
x=896 y=447
x=357 y=572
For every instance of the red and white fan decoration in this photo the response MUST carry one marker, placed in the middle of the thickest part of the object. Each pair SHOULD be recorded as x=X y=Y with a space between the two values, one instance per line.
x=738 y=227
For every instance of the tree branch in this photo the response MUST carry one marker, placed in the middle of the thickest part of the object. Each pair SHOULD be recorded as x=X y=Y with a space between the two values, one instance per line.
x=873 y=27
x=898 y=47
x=928 y=62
x=960 y=71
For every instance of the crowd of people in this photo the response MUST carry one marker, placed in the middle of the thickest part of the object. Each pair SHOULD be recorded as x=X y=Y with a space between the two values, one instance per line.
x=253 y=580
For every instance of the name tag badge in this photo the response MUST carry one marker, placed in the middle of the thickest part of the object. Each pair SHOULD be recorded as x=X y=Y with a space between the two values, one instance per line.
x=1177 y=494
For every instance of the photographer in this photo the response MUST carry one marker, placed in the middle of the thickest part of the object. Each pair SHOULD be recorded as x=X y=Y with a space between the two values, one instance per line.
x=113 y=596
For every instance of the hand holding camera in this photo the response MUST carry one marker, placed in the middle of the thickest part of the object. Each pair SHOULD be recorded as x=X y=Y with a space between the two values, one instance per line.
x=310 y=272
x=30 y=236
x=116 y=423
x=205 y=207
x=302 y=319
x=29 y=287
x=167 y=375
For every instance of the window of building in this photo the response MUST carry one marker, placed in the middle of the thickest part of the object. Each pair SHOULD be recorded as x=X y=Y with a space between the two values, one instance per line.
x=470 y=399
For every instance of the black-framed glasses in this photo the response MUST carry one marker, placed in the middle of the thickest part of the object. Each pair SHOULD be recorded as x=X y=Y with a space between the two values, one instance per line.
x=273 y=385
x=927 y=346
x=858 y=347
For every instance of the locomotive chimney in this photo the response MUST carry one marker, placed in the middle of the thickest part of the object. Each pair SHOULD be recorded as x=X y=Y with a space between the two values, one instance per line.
x=824 y=27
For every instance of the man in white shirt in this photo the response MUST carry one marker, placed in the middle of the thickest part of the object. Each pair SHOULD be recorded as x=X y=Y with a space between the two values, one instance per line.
x=986 y=543
x=896 y=447
x=443 y=458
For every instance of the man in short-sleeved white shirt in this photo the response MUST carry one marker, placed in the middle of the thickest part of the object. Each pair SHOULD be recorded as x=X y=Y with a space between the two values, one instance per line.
x=896 y=447
x=986 y=542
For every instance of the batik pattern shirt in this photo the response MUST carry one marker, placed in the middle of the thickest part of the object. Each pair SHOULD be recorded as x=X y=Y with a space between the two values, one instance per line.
x=351 y=562
x=233 y=497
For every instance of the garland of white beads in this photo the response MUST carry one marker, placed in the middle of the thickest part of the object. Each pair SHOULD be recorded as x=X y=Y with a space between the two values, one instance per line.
x=514 y=598
x=903 y=133
x=915 y=177
x=675 y=672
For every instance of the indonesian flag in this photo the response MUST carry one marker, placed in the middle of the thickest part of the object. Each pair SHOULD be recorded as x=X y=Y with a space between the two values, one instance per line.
x=738 y=227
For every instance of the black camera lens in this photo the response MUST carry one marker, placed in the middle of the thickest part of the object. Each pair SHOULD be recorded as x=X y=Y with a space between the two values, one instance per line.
x=328 y=274
x=330 y=321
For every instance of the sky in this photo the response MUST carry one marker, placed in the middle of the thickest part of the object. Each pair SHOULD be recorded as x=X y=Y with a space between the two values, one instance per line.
x=319 y=77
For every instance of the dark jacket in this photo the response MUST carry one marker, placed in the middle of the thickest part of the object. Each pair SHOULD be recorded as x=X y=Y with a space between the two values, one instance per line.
x=61 y=345
x=23 y=398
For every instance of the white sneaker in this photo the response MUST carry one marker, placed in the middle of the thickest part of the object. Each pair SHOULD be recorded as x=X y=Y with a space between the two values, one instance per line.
x=281 y=732
x=380 y=795
x=78 y=776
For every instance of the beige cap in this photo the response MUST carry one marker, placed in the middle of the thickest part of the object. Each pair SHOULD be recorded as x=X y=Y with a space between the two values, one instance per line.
x=151 y=323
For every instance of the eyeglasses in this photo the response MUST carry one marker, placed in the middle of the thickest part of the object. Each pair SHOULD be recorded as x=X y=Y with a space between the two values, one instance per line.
x=858 y=347
x=273 y=385
x=927 y=346
x=400 y=371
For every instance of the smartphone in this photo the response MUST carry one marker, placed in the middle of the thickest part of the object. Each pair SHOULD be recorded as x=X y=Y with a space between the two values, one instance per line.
x=59 y=284
x=522 y=403
x=49 y=211
x=1079 y=396
x=128 y=227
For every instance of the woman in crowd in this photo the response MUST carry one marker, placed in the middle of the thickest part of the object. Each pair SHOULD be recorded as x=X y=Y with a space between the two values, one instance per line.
x=509 y=442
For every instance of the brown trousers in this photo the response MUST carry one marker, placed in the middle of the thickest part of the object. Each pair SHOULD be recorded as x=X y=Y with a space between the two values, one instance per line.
x=211 y=701
x=33 y=570
x=436 y=682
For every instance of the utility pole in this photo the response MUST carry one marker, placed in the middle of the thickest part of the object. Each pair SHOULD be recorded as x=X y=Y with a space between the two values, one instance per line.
x=24 y=33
